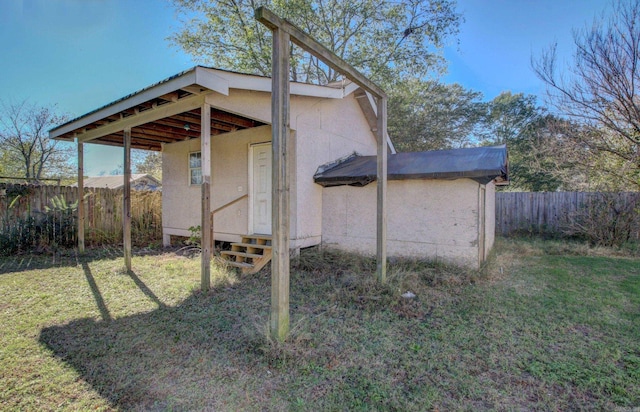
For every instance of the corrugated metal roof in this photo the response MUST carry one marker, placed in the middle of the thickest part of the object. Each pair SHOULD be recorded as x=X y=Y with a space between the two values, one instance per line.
x=168 y=79
x=482 y=164
x=175 y=76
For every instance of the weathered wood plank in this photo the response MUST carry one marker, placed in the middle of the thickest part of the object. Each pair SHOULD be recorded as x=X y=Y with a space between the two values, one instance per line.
x=80 y=197
x=381 y=232
x=126 y=199
x=547 y=212
x=166 y=110
x=279 y=320
x=102 y=211
x=306 y=42
x=206 y=225
x=283 y=33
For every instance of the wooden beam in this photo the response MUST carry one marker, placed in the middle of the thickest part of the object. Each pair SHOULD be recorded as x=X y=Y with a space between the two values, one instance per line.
x=381 y=224
x=170 y=97
x=367 y=108
x=164 y=134
x=175 y=126
x=370 y=109
x=180 y=81
x=166 y=110
x=284 y=32
x=275 y=23
x=190 y=116
x=114 y=140
x=205 y=226
x=117 y=140
x=80 y=197
x=126 y=200
x=222 y=126
x=219 y=117
x=233 y=120
x=279 y=321
x=306 y=42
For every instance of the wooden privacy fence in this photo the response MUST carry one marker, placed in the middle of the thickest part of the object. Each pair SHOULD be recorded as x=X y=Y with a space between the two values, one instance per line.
x=52 y=211
x=561 y=213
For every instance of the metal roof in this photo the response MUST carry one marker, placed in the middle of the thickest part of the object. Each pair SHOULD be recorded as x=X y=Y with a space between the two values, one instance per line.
x=482 y=164
x=169 y=111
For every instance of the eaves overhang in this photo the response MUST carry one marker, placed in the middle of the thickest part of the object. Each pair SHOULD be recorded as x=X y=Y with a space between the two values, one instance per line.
x=168 y=111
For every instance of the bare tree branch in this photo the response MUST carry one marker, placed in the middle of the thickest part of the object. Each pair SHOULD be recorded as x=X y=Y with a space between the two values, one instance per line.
x=24 y=138
x=601 y=90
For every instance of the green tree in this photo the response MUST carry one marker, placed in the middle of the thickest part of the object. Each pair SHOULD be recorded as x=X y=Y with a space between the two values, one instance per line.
x=543 y=156
x=601 y=90
x=385 y=40
x=24 y=140
x=429 y=115
x=509 y=115
x=148 y=162
x=8 y=166
x=541 y=149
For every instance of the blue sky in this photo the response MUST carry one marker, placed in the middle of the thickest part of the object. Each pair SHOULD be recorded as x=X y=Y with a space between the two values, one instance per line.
x=499 y=37
x=82 y=54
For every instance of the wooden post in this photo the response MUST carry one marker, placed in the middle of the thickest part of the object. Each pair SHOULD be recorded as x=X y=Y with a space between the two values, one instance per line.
x=284 y=32
x=297 y=36
x=80 y=197
x=205 y=232
x=126 y=199
x=279 y=322
x=300 y=38
x=381 y=234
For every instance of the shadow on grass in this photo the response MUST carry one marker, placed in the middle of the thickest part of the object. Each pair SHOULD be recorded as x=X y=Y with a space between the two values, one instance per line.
x=67 y=258
x=145 y=289
x=102 y=307
x=193 y=356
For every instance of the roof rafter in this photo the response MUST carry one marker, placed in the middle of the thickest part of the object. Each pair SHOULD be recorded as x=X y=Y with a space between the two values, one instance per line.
x=170 y=109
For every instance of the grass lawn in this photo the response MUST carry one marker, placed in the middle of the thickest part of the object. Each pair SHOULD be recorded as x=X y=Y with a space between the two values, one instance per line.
x=545 y=326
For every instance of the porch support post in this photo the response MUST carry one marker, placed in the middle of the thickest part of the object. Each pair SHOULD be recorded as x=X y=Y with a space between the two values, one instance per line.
x=381 y=233
x=279 y=321
x=126 y=199
x=80 y=197
x=205 y=226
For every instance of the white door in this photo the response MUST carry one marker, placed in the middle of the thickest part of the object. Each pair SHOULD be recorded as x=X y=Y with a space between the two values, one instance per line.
x=261 y=191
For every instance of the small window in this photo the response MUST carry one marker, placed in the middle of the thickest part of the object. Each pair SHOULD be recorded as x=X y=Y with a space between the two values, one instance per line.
x=195 y=168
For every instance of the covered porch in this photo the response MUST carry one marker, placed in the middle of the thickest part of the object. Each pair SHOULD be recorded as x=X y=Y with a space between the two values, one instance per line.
x=178 y=109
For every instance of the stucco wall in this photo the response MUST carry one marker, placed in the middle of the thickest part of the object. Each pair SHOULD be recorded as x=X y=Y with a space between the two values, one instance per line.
x=329 y=130
x=181 y=207
x=323 y=130
x=490 y=228
x=433 y=219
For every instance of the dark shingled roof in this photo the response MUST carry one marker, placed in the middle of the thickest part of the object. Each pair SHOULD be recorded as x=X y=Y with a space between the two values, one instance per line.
x=482 y=164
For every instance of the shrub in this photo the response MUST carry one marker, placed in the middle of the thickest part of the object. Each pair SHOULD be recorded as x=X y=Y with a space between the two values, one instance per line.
x=55 y=227
x=606 y=219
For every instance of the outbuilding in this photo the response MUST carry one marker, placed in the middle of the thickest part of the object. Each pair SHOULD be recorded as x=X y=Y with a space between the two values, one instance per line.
x=441 y=204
